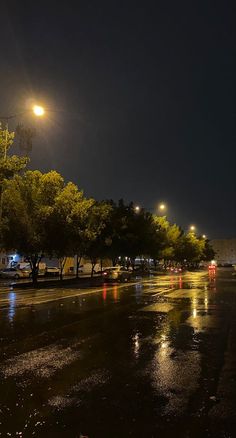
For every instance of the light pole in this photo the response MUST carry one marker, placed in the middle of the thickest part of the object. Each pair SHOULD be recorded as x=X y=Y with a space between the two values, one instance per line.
x=37 y=110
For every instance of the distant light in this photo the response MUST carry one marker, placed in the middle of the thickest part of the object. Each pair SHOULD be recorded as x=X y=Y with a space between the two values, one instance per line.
x=162 y=207
x=38 y=110
x=192 y=228
x=137 y=208
x=204 y=236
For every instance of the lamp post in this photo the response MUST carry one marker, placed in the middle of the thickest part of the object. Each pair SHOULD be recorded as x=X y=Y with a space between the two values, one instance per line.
x=37 y=110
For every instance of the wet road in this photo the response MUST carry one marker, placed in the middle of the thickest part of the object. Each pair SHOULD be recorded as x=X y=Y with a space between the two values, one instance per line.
x=152 y=359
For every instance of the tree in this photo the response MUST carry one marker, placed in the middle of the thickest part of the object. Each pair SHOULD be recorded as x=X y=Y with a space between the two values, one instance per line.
x=51 y=217
x=189 y=249
x=97 y=238
x=68 y=219
x=208 y=251
x=28 y=203
x=128 y=233
x=9 y=165
x=168 y=236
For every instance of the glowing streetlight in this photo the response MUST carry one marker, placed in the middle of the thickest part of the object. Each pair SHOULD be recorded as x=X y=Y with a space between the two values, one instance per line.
x=38 y=110
x=137 y=209
x=204 y=236
x=192 y=228
x=162 y=207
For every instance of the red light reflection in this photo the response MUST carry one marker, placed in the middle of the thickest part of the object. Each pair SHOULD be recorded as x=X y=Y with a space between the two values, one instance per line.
x=115 y=293
x=104 y=293
x=180 y=282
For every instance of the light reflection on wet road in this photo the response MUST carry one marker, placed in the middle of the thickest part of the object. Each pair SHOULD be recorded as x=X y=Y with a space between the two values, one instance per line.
x=147 y=359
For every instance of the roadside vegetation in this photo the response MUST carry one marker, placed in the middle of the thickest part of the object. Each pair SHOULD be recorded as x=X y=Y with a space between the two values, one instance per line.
x=42 y=214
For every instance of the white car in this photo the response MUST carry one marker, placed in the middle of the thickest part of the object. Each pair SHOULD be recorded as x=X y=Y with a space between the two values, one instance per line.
x=14 y=273
x=118 y=273
x=52 y=271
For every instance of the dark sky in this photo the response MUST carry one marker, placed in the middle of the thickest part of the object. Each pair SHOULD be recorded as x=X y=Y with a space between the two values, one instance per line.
x=144 y=100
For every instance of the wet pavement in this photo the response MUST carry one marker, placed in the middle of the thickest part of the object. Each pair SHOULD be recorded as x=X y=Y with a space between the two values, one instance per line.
x=153 y=358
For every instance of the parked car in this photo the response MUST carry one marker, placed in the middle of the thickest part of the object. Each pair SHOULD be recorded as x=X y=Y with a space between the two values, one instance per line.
x=118 y=273
x=14 y=273
x=52 y=271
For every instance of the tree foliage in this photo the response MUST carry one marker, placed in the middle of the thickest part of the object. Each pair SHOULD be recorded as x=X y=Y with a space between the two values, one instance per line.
x=42 y=214
x=9 y=164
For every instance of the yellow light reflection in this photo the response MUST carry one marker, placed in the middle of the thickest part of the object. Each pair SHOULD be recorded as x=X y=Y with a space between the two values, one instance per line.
x=136 y=345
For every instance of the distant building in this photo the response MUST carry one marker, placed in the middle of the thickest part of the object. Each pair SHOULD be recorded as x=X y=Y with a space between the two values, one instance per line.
x=225 y=251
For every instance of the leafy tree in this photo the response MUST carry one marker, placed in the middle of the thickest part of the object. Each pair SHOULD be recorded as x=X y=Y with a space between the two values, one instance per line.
x=69 y=219
x=189 y=249
x=168 y=236
x=208 y=251
x=9 y=164
x=97 y=239
x=128 y=233
x=28 y=203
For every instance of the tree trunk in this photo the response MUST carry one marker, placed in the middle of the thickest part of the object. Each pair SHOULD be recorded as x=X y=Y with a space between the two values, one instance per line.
x=34 y=263
x=93 y=263
x=132 y=263
x=114 y=261
x=62 y=261
x=78 y=260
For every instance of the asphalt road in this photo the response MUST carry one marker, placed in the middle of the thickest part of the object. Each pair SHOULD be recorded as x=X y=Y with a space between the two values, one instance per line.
x=155 y=358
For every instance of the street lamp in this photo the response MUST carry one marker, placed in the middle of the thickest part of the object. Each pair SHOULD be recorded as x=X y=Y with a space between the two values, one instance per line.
x=37 y=110
x=137 y=209
x=192 y=228
x=162 y=207
x=204 y=236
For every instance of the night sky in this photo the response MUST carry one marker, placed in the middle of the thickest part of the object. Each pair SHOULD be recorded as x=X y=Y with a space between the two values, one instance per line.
x=141 y=98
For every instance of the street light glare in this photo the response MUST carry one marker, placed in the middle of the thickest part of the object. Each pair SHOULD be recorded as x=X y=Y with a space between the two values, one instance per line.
x=162 y=206
x=38 y=110
x=137 y=208
x=192 y=228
